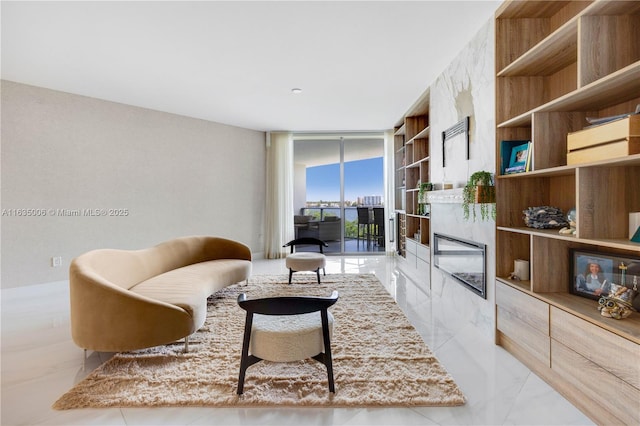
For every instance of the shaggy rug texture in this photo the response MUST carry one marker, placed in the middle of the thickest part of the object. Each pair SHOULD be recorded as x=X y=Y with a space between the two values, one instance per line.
x=379 y=359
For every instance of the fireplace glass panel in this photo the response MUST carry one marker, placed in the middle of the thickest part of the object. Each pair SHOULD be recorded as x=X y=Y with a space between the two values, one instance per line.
x=463 y=260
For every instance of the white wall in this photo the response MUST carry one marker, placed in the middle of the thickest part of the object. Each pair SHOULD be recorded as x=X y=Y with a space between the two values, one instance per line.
x=174 y=175
x=465 y=88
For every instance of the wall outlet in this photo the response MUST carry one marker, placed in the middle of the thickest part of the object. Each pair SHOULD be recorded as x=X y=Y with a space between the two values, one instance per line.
x=56 y=261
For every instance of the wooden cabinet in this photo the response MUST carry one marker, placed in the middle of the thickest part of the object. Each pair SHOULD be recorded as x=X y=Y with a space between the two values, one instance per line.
x=570 y=330
x=400 y=159
x=602 y=367
x=417 y=260
x=558 y=63
x=566 y=343
x=412 y=168
x=522 y=323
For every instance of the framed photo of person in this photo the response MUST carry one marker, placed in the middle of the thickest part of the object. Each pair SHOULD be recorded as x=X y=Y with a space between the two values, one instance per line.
x=593 y=273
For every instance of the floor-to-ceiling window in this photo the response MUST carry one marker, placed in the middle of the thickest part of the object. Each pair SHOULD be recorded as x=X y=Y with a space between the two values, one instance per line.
x=339 y=191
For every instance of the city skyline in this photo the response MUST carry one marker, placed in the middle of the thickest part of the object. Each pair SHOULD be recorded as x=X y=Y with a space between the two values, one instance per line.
x=375 y=200
x=362 y=178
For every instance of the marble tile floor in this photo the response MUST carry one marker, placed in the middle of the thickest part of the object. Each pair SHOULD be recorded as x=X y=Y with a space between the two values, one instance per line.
x=40 y=362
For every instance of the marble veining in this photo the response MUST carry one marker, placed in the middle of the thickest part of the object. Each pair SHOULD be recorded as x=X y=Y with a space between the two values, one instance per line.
x=465 y=88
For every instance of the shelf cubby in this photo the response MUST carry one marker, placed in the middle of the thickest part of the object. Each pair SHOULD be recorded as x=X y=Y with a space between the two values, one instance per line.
x=607 y=195
x=607 y=43
x=532 y=190
x=550 y=264
x=517 y=245
x=616 y=93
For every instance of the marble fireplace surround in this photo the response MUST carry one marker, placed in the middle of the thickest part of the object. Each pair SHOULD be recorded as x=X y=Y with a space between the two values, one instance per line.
x=445 y=196
x=466 y=88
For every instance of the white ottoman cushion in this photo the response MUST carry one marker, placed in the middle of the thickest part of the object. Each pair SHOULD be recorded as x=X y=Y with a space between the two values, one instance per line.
x=285 y=338
x=306 y=261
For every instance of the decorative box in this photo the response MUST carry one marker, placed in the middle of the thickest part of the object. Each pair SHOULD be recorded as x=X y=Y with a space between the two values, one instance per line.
x=606 y=141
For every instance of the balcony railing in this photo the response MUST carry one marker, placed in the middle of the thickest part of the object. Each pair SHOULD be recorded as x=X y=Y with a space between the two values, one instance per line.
x=350 y=221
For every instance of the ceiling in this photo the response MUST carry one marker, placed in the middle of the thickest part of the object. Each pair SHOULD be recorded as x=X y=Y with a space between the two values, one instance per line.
x=360 y=64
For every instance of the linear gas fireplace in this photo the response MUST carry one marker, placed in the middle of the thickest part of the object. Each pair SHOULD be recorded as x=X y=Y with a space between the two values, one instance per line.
x=462 y=259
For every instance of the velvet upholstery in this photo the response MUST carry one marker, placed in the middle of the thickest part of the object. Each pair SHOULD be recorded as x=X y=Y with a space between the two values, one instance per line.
x=124 y=300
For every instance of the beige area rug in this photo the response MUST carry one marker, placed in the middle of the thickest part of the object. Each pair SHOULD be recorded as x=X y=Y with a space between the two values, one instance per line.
x=379 y=359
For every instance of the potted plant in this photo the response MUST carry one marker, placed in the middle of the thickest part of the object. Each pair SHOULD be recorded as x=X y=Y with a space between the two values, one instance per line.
x=423 y=188
x=479 y=190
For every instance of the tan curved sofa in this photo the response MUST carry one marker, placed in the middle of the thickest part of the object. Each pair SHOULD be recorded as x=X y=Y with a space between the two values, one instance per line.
x=123 y=300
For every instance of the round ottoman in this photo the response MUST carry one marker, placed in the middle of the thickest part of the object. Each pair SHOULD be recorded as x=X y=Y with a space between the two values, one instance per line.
x=305 y=261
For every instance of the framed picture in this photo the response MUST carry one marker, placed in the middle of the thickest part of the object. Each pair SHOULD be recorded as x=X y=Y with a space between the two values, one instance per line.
x=594 y=273
x=518 y=159
x=507 y=165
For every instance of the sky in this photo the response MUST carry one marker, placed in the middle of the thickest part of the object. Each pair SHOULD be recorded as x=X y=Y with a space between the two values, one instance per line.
x=361 y=178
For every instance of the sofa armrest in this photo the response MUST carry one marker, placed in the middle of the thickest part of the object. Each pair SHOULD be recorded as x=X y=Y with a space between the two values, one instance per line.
x=108 y=318
x=222 y=248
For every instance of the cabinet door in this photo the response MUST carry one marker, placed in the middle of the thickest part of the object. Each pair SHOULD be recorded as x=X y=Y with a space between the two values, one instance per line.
x=613 y=353
x=524 y=320
x=604 y=396
x=422 y=252
x=412 y=247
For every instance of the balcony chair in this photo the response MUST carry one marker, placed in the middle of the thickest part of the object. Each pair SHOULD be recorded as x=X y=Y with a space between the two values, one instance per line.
x=325 y=230
x=365 y=220
x=287 y=329
x=378 y=226
x=301 y=224
x=329 y=228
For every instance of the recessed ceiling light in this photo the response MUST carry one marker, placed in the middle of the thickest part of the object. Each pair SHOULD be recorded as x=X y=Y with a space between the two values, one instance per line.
x=296 y=91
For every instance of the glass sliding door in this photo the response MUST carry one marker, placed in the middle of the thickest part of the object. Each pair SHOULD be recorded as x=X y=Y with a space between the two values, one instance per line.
x=335 y=177
x=364 y=195
x=317 y=195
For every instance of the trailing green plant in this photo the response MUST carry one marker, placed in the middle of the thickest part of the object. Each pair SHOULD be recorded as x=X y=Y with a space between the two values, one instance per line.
x=487 y=209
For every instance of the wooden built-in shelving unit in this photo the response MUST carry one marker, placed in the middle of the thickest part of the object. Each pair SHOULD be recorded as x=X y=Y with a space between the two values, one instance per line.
x=412 y=134
x=559 y=62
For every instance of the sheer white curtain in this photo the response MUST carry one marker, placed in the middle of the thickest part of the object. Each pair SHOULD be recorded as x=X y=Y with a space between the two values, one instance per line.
x=279 y=214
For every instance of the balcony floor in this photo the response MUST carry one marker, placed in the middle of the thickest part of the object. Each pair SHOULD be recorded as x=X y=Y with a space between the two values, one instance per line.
x=351 y=245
